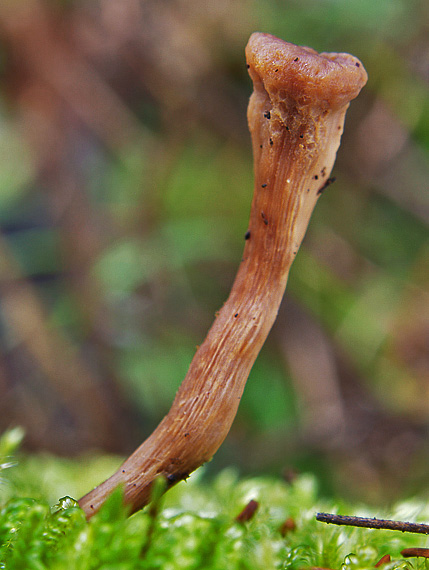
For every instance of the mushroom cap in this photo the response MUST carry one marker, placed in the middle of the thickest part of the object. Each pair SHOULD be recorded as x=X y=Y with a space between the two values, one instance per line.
x=328 y=80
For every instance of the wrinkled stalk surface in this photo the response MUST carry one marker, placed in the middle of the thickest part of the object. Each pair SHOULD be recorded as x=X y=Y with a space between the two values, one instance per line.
x=296 y=116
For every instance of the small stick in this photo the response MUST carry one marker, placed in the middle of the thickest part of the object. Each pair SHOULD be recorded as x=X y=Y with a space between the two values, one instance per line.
x=415 y=552
x=248 y=511
x=383 y=560
x=287 y=526
x=373 y=523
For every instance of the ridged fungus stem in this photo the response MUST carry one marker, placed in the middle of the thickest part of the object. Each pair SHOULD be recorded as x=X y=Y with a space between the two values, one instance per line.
x=296 y=117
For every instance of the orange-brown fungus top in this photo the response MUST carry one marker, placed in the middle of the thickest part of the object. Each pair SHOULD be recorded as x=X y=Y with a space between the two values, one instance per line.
x=327 y=80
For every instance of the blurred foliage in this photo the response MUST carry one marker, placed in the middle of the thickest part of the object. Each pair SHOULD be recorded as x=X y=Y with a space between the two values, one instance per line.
x=125 y=186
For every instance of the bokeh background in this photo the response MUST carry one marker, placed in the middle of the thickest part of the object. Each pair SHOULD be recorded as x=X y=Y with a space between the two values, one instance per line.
x=125 y=187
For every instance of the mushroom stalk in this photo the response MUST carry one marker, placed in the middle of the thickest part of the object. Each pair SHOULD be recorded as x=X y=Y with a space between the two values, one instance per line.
x=296 y=116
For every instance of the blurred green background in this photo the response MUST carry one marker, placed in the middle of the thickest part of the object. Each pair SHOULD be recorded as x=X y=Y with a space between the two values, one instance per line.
x=125 y=187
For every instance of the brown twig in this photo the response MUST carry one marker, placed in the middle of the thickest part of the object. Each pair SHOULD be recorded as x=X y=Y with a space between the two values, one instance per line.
x=287 y=526
x=417 y=552
x=248 y=512
x=383 y=560
x=373 y=523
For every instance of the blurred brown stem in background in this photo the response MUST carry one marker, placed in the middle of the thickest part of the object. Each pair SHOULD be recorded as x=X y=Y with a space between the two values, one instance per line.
x=47 y=357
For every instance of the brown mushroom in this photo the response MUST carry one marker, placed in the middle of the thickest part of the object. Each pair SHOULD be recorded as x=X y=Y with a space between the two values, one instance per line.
x=296 y=115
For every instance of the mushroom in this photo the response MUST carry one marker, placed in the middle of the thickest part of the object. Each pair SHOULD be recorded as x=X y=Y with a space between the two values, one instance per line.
x=296 y=116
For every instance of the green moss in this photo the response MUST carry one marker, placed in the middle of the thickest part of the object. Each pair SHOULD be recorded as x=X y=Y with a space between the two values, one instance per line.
x=194 y=526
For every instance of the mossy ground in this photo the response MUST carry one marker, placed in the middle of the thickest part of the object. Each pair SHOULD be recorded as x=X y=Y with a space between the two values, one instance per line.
x=193 y=526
